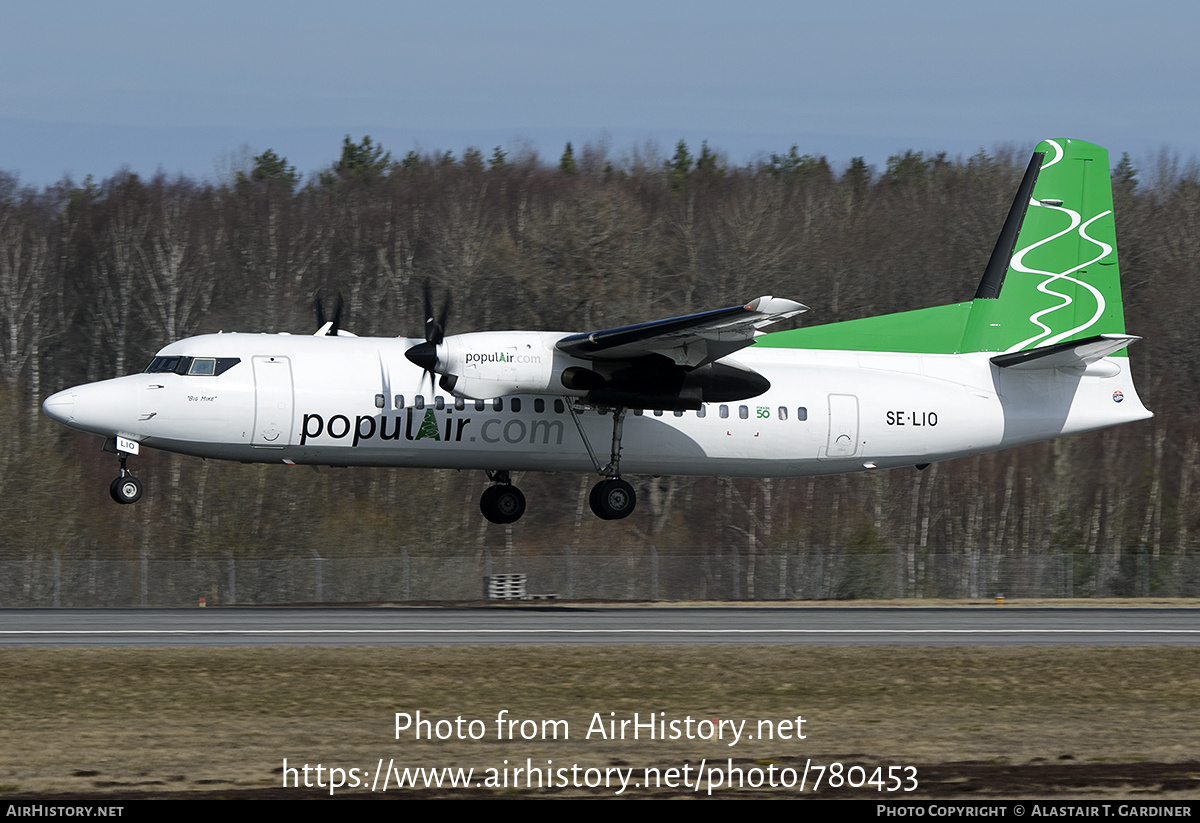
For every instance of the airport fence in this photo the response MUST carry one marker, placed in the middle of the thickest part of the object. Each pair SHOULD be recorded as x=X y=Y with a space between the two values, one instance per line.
x=813 y=573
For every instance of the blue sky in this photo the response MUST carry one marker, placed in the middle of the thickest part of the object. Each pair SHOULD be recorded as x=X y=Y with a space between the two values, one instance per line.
x=89 y=88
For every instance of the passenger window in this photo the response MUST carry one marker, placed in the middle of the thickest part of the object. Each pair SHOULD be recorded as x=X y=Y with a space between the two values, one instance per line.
x=724 y=411
x=638 y=412
x=559 y=408
x=380 y=401
x=399 y=401
x=479 y=404
x=744 y=412
x=439 y=403
x=539 y=405
x=658 y=412
x=515 y=405
x=420 y=402
x=498 y=404
x=678 y=413
x=702 y=411
x=783 y=412
x=459 y=405
x=802 y=413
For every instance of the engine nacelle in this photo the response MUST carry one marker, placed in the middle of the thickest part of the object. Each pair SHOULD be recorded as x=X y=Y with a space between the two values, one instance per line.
x=482 y=365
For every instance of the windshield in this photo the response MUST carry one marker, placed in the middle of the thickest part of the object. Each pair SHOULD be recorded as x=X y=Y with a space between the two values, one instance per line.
x=205 y=366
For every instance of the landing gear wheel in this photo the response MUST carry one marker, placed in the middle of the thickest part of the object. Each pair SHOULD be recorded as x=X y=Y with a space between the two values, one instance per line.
x=612 y=499
x=127 y=489
x=502 y=503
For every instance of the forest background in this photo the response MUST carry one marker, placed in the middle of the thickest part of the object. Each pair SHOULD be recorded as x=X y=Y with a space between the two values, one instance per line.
x=97 y=276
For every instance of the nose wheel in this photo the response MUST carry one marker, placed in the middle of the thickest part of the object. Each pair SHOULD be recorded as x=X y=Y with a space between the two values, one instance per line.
x=126 y=488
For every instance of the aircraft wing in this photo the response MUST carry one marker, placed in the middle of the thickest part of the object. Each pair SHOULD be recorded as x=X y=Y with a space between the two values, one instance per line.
x=689 y=341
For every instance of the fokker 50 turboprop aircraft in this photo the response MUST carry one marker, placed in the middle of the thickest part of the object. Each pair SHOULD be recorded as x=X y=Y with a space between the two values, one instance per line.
x=1038 y=353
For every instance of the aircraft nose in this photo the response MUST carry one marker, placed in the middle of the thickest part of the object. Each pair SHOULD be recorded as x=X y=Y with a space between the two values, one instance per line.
x=108 y=407
x=60 y=407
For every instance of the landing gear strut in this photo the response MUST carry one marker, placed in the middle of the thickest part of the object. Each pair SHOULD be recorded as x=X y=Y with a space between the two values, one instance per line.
x=503 y=502
x=611 y=498
x=126 y=488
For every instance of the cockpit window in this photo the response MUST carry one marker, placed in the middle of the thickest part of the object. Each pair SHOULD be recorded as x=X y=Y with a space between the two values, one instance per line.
x=162 y=364
x=204 y=366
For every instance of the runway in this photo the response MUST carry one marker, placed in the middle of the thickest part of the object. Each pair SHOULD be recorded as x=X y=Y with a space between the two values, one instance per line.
x=582 y=625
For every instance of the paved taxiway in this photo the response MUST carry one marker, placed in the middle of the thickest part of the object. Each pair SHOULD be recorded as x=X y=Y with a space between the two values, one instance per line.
x=583 y=625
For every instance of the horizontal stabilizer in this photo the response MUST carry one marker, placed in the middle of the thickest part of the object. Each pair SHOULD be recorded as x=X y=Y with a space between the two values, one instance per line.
x=1072 y=354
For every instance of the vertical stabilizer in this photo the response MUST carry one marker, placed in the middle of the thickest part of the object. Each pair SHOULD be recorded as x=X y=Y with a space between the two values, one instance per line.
x=1053 y=276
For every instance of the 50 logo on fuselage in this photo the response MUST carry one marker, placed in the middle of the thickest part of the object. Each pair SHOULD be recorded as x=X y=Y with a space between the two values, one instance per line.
x=413 y=424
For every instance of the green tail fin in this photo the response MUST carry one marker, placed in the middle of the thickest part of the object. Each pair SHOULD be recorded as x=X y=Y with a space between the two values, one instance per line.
x=1053 y=276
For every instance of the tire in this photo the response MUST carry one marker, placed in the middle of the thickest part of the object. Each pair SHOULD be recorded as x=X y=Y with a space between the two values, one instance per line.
x=594 y=500
x=612 y=499
x=502 y=504
x=125 y=490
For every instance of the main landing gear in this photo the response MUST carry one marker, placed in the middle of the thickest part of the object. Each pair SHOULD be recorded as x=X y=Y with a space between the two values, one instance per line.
x=503 y=502
x=126 y=488
x=611 y=498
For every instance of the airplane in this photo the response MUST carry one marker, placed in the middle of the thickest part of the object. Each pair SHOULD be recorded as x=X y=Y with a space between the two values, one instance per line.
x=1039 y=352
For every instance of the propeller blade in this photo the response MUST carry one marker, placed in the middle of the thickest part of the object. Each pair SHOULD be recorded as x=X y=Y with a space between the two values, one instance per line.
x=435 y=327
x=429 y=327
x=441 y=323
x=425 y=354
x=336 y=322
x=319 y=309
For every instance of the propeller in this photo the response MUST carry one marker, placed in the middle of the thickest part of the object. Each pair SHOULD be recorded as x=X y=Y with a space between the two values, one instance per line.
x=425 y=354
x=329 y=326
x=435 y=330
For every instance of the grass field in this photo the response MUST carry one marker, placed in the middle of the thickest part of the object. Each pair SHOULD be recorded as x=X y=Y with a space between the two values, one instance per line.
x=166 y=720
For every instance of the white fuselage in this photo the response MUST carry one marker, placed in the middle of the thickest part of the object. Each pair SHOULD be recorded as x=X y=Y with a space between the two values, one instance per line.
x=350 y=401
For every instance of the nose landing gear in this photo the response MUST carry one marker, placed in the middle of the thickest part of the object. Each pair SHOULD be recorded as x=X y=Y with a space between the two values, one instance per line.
x=126 y=488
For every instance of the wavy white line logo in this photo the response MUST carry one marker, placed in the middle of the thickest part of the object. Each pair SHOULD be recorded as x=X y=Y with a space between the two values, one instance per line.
x=1058 y=155
x=1077 y=224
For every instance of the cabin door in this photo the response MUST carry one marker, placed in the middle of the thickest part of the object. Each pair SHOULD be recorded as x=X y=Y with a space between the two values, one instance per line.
x=272 y=402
